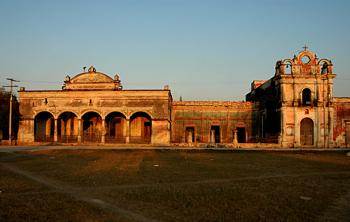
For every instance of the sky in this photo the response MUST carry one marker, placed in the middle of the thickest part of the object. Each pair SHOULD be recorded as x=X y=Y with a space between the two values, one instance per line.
x=202 y=49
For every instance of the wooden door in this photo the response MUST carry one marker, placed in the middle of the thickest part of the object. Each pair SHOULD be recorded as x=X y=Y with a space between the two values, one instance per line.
x=306 y=132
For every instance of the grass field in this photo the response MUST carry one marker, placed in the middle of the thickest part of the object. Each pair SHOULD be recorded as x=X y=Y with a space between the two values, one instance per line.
x=163 y=185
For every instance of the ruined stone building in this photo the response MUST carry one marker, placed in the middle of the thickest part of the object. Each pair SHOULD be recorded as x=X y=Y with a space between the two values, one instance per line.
x=295 y=108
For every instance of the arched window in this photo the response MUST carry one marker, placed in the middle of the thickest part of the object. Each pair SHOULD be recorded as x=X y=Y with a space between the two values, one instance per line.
x=306 y=97
x=324 y=68
x=288 y=68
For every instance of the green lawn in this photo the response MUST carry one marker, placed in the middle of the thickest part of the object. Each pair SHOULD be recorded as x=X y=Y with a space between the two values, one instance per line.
x=116 y=185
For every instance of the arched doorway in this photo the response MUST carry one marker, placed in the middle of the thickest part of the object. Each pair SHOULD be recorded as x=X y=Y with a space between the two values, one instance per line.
x=116 y=128
x=140 y=128
x=92 y=127
x=306 y=132
x=67 y=128
x=44 y=127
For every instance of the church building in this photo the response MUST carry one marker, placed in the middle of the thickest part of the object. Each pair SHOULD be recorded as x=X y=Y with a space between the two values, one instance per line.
x=295 y=108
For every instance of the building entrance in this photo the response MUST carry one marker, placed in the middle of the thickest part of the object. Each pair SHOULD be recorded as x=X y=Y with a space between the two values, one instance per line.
x=306 y=132
x=241 y=135
x=215 y=134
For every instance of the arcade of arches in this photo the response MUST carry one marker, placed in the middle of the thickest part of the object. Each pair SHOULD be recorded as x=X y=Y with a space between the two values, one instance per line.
x=294 y=108
x=91 y=128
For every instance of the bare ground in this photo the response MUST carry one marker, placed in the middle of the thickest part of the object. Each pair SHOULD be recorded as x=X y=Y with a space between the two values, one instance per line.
x=174 y=186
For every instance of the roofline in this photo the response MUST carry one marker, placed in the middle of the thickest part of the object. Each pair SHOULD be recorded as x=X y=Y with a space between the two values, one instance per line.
x=87 y=90
x=83 y=73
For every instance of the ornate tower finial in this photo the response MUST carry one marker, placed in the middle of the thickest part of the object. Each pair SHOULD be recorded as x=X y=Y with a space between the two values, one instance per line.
x=92 y=69
x=305 y=47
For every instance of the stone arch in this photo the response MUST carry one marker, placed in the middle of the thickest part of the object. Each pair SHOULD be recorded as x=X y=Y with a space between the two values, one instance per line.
x=67 y=111
x=306 y=132
x=325 y=66
x=67 y=127
x=145 y=112
x=321 y=61
x=42 y=111
x=287 y=67
x=92 y=128
x=310 y=55
x=90 y=111
x=44 y=127
x=116 y=127
x=140 y=127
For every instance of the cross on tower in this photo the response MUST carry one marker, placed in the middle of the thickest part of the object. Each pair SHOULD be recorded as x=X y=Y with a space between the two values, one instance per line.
x=305 y=47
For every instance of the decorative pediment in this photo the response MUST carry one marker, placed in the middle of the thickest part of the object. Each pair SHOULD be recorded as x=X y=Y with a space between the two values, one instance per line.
x=92 y=80
x=305 y=63
x=91 y=77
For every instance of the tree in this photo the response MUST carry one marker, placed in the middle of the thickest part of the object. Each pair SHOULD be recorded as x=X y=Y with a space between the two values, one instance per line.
x=4 y=115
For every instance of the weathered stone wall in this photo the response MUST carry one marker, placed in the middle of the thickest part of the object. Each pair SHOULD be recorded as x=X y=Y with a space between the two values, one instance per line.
x=300 y=96
x=294 y=108
x=202 y=115
x=341 y=131
x=320 y=109
x=154 y=103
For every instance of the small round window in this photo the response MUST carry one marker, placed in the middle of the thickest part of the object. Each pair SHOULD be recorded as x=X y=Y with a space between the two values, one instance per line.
x=305 y=59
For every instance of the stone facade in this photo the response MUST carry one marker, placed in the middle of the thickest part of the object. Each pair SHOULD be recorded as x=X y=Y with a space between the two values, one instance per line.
x=92 y=107
x=212 y=122
x=295 y=108
x=341 y=125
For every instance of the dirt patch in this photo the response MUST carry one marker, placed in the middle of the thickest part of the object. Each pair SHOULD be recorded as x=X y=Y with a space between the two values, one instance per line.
x=338 y=158
x=107 y=161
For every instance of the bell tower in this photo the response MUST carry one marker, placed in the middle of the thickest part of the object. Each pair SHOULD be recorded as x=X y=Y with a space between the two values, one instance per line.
x=305 y=83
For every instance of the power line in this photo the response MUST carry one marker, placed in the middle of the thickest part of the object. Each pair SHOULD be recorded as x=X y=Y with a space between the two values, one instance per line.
x=29 y=81
x=10 y=115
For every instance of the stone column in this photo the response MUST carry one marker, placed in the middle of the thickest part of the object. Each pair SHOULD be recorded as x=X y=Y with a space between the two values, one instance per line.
x=79 y=130
x=63 y=127
x=235 y=141
x=55 y=131
x=296 y=140
x=127 y=134
x=282 y=131
x=48 y=128
x=330 y=134
x=103 y=138
x=212 y=136
x=189 y=137
x=67 y=127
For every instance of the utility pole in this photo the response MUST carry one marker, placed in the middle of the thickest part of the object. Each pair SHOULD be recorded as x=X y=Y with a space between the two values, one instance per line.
x=10 y=113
